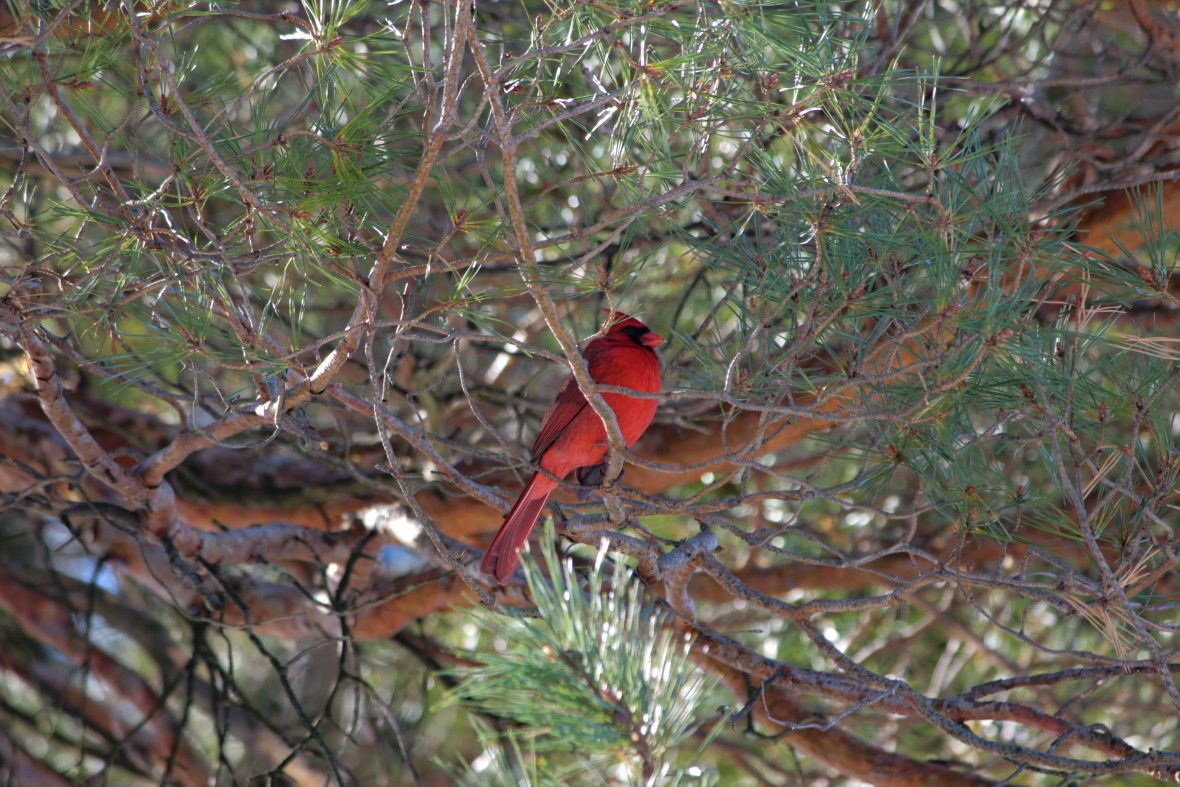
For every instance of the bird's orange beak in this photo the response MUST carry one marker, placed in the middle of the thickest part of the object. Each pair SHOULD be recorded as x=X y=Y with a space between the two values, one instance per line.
x=652 y=339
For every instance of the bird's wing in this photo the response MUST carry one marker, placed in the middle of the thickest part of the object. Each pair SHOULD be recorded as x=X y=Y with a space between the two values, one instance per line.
x=562 y=412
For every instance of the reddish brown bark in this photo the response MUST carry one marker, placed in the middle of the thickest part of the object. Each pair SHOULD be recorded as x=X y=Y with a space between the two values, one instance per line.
x=409 y=599
x=49 y=621
x=836 y=748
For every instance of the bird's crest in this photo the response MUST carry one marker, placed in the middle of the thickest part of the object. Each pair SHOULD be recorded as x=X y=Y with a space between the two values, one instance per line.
x=620 y=320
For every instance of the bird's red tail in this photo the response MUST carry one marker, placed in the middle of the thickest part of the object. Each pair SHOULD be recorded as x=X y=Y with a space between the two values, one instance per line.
x=502 y=556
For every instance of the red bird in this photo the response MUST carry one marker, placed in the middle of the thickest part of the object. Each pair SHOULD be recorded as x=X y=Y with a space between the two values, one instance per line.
x=572 y=436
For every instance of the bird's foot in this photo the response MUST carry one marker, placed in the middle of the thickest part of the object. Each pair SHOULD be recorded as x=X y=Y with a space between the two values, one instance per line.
x=595 y=475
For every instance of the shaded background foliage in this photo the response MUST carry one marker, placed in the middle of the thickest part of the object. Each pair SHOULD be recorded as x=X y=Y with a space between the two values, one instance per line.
x=286 y=291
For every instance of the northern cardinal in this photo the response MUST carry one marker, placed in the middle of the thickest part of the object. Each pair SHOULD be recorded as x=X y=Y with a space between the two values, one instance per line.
x=572 y=436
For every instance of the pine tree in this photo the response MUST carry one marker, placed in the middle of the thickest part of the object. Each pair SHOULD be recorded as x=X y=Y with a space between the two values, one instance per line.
x=284 y=293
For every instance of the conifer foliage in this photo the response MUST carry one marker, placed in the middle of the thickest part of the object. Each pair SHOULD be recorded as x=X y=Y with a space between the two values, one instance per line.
x=285 y=291
x=597 y=680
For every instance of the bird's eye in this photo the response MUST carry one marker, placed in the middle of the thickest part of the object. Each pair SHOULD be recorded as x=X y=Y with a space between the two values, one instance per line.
x=634 y=332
